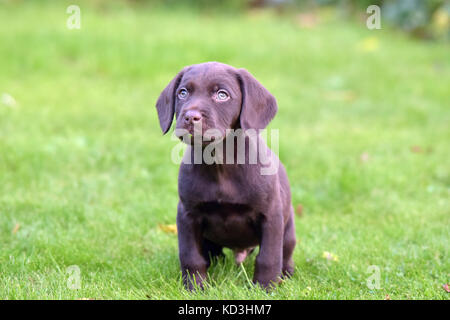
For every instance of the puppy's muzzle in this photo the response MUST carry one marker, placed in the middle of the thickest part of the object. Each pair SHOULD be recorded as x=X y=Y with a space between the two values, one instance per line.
x=192 y=117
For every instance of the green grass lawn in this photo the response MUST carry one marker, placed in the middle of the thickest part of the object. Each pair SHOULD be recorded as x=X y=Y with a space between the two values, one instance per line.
x=86 y=177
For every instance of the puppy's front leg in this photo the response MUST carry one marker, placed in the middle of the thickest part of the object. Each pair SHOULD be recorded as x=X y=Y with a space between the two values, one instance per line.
x=269 y=260
x=193 y=264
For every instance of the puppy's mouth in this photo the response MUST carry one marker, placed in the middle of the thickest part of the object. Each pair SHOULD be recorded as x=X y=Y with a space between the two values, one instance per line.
x=191 y=136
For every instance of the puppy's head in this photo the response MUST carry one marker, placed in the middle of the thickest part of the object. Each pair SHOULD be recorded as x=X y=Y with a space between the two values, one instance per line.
x=209 y=98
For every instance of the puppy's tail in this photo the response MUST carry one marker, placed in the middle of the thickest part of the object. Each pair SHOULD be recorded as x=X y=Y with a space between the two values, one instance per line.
x=241 y=254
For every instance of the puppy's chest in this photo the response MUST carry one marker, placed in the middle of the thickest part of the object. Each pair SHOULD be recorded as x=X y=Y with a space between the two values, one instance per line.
x=219 y=188
x=226 y=206
x=227 y=216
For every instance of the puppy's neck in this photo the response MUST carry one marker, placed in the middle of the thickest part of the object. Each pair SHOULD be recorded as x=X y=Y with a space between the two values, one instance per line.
x=234 y=149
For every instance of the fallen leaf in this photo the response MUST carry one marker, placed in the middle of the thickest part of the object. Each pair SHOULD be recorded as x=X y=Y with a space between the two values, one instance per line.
x=330 y=256
x=369 y=44
x=340 y=95
x=8 y=100
x=364 y=157
x=446 y=287
x=416 y=149
x=307 y=20
x=168 y=228
x=299 y=210
x=16 y=228
x=419 y=149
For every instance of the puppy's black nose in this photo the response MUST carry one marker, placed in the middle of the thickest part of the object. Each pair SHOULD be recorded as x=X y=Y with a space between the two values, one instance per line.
x=192 y=116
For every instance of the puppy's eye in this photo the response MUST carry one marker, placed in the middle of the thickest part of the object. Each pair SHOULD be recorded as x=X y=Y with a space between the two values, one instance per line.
x=222 y=95
x=183 y=93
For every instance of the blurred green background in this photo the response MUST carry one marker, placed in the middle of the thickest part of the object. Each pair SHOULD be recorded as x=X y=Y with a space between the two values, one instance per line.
x=86 y=177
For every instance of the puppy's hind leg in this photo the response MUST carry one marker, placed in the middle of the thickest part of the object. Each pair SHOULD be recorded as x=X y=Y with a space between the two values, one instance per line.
x=211 y=251
x=289 y=243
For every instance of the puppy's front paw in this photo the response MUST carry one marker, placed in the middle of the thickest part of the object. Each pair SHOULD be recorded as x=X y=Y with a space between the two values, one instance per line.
x=267 y=279
x=288 y=271
x=194 y=282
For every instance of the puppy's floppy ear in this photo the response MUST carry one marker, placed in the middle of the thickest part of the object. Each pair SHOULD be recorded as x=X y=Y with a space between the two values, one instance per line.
x=166 y=103
x=258 y=105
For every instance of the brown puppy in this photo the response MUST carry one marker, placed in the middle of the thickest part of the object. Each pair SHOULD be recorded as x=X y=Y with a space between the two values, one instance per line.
x=230 y=202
